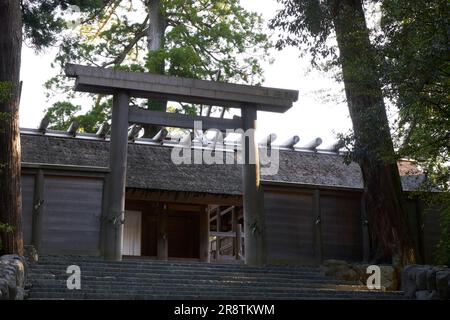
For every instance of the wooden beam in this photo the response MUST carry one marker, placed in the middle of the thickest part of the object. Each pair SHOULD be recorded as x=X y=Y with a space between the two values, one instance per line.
x=229 y=209
x=229 y=234
x=147 y=85
x=162 y=239
x=238 y=239
x=365 y=231
x=218 y=220
x=184 y=207
x=115 y=197
x=234 y=229
x=204 y=235
x=38 y=211
x=177 y=120
x=183 y=197
x=64 y=167
x=318 y=227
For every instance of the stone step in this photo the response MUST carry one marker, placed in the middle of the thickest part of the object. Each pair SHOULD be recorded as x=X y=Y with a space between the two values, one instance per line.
x=58 y=274
x=207 y=296
x=180 y=279
x=45 y=278
x=209 y=291
x=61 y=285
x=153 y=279
x=174 y=269
x=85 y=270
x=173 y=264
x=177 y=271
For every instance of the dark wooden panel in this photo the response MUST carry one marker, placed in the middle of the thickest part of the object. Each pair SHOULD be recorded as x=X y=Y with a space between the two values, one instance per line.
x=431 y=234
x=72 y=210
x=149 y=235
x=341 y=226
x=27 y=206
x=289 y=226
x=183 y=229
x=414 y=221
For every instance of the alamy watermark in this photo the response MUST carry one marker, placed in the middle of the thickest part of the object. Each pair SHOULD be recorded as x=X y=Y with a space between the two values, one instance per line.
x=74 y=279
x=374 y=280
x=248 y=151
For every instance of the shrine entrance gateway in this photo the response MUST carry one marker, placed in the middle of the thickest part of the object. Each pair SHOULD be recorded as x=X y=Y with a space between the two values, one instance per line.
x=123 y=85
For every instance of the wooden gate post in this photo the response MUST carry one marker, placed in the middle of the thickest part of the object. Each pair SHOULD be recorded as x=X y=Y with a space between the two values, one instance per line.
x=162 y=245
x=204 y=234
x=254 y=242
x=365 y=231
x=38 y=211
x=115 y=195
x=318 y=235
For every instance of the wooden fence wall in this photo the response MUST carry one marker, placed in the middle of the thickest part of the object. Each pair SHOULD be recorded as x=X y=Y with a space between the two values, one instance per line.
x=307 y=224
x=64 y=209
x=304 y=224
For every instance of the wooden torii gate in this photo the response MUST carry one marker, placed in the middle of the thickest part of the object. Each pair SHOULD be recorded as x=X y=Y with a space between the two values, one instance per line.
x=123 y=85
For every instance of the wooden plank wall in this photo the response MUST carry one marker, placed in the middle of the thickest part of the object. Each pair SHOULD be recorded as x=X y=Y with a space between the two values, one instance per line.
x=289 y=226
x=300 y=230
x=73 y=203
x=72 y=211
x=307 y=225
x=341 y=225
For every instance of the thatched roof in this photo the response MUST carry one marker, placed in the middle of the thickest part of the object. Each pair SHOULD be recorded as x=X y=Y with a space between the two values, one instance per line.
x=150 y=167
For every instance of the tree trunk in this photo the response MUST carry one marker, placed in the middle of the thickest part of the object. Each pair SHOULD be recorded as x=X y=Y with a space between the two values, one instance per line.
x=155 y=42
x=10 y=194
x=388 y=223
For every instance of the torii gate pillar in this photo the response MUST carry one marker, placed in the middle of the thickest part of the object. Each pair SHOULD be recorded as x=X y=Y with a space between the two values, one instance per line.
x=255 y=230
x=115 y=187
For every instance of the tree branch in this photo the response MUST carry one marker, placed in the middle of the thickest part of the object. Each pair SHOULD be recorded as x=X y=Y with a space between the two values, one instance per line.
x=142 y=32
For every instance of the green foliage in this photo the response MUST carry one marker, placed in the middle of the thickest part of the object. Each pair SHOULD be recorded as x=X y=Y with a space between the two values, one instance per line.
x=5 y=228
x=416 y=75
x=98 y=114
x=5 y=90
x=412 y=62
x=202 y=39
x=62 y=114
x=437 y=203
x=5 y=95
x=307 y=24
x=5 y=116
x=44 y=20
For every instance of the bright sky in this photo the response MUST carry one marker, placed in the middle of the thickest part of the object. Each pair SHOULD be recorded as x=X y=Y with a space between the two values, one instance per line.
x=312 y=116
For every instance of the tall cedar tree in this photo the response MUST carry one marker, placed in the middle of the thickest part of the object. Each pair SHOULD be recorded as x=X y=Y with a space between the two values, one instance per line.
x=373 y=148
x=10 y=195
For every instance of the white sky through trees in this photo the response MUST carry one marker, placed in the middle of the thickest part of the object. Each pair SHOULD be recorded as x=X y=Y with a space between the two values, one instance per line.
x=321 y=110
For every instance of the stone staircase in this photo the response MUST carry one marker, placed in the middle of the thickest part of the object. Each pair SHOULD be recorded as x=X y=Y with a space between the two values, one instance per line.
x=150 y=279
